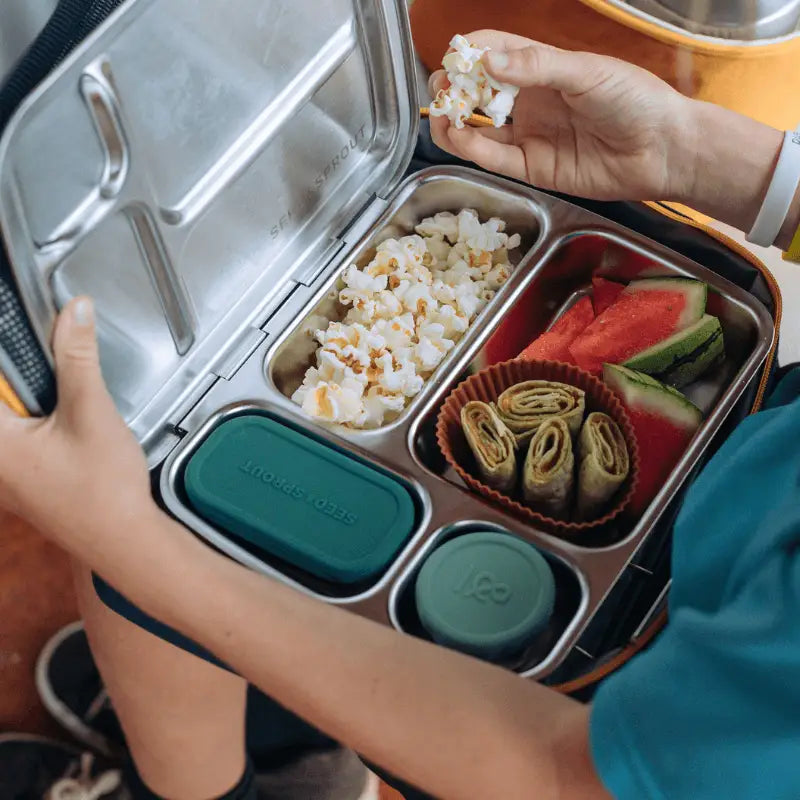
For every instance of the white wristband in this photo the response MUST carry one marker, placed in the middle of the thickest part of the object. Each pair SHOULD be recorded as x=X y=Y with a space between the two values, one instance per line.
x=780 y=194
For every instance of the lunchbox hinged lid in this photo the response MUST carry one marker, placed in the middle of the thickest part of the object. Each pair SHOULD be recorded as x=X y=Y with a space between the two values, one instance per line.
x=188 y=162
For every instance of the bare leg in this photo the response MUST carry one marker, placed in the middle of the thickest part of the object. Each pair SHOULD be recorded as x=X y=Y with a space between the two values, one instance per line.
x=184 y=719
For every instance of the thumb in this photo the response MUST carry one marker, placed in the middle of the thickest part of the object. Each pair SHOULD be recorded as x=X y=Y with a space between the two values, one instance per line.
x=540 y=65
x=80 y=382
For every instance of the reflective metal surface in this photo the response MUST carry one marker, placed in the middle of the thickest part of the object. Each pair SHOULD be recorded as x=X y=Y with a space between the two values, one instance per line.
x=183 y=168
x=20 y=23
x=416 y=200
x=740 y=20
x=563 y=246
x=207 y=178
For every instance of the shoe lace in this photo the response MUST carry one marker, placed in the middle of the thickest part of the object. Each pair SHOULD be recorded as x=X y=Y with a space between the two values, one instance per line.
x=98 y=704
x=78 y=783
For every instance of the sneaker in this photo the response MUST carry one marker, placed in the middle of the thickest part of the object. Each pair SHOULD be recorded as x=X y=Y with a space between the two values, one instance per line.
x=336 y=774
x=35 y=768
x=72 y=690
x=372 y=788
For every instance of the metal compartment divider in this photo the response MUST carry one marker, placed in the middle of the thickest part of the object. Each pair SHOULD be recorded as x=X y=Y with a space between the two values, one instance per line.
x=444 y=505
x=233 y=171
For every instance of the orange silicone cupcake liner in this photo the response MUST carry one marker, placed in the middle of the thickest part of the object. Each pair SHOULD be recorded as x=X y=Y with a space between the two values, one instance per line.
x=486 y=386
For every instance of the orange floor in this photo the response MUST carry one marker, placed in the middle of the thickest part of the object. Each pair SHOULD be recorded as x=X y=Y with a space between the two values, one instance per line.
x=36 y=599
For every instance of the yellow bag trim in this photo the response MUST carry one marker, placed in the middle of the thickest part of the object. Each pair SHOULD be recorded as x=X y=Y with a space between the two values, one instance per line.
x=628 y=652
x=793 y=253
x=687 y=40
x=9 y=397
x=686 y=211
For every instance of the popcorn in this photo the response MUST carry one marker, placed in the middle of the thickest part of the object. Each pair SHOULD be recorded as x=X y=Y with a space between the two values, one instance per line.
x=432 y=347
x=463 y=57
x=469 y=303
x=409 y=251
x=405 y=311
x=419 y=301
x=471 y=87
x=398 y=333
x=359 y=281
x=340 y=335
x=496 y=277
x=443 y=224
x=459 y=274
x=398 y=375
x=439 y=248
x=402 y=259
x=453 y=321
x=388 y=304
x=330 y=401
x=499 y=108
x=489 y=237
x=443 y=293
x=486 y=238
x=313 y=324
x=458 y=252
x=379 y=403
x=469 y=226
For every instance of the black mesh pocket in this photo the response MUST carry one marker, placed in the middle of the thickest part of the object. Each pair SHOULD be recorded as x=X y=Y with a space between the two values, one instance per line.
x=20 y=345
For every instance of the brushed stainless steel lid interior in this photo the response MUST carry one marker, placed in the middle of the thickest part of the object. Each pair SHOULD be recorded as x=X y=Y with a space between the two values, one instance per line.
x=733 y=21
x=189 y=162
x=740 y=19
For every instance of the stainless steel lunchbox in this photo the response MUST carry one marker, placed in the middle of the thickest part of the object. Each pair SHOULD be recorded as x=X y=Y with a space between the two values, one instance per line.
x=206 y=170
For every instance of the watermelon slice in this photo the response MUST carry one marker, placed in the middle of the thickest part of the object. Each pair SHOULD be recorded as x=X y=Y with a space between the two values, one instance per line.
x=646 y=312
x=684 y=357
x=664 y=422
x=605 y=293
x=553 y=345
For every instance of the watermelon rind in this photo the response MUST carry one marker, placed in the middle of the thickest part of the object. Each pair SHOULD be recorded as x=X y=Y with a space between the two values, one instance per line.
x=696 y=293
x=642 y=392
x=684 y=356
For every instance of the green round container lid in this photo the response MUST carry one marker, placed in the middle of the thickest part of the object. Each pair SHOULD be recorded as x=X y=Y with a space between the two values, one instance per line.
x=486 y=594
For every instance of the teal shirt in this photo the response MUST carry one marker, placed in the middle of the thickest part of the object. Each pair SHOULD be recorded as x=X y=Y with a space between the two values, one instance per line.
x=712 y=710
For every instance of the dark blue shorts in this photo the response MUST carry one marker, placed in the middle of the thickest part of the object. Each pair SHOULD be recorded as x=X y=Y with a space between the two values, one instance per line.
x=273 y=733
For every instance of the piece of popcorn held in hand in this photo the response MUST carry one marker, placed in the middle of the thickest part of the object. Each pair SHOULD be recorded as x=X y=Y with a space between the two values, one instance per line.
x=471 y=87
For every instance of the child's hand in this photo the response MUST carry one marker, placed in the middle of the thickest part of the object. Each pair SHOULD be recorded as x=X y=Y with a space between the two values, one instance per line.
x=584 y=124
x=79 y=474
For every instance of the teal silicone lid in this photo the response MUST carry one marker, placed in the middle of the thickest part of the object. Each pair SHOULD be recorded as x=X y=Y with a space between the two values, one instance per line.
x=310 y=505
x=487 y=594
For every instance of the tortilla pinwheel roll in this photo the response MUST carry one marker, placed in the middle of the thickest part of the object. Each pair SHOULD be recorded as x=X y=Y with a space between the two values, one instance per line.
x=547 y=477
x=524 y=407
x=604 y=464
x=492 y=444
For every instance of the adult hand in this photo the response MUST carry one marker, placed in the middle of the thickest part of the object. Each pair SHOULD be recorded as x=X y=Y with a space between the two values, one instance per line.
x=583 y=124
x=78 y=476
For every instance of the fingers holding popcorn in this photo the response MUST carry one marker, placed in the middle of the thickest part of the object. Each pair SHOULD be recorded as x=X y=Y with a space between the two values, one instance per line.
x=470 y=87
